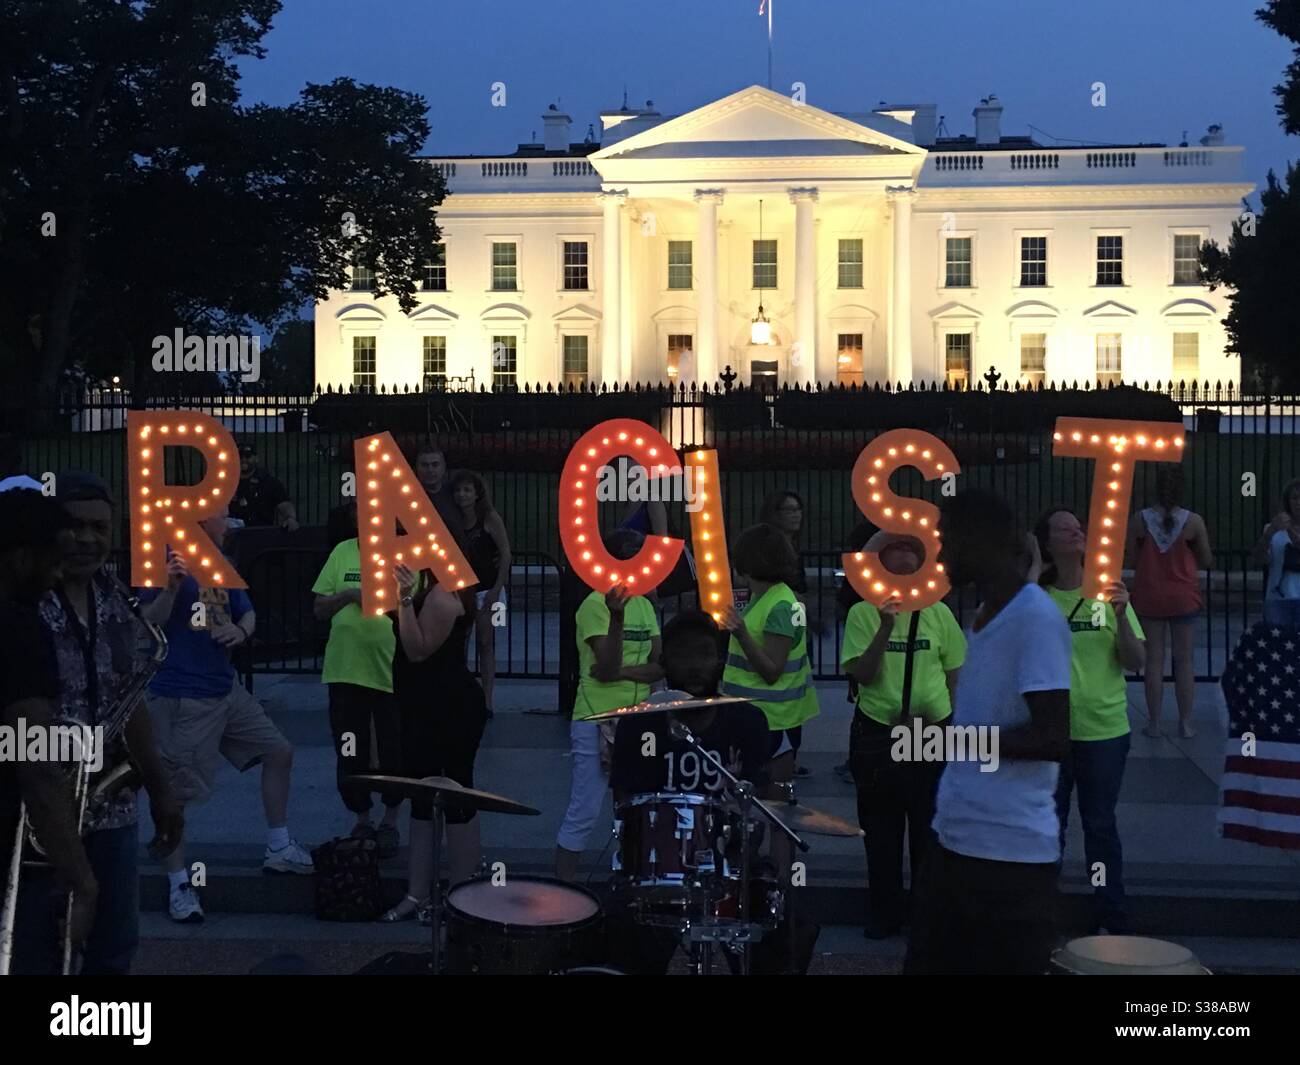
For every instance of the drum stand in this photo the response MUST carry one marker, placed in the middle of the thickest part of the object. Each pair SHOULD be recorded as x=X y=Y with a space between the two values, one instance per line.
x=435 y=894
x=736 y=937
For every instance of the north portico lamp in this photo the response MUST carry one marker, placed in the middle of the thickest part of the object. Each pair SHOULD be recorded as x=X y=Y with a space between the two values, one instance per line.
x=760 y=329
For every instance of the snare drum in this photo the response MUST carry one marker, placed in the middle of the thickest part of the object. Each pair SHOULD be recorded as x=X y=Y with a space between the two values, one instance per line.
x=766 y=902
x=1124 y=956
x=529 y=925
x=671 y=841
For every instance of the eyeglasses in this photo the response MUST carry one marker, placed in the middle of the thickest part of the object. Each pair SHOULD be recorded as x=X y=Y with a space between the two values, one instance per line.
x=790 y=508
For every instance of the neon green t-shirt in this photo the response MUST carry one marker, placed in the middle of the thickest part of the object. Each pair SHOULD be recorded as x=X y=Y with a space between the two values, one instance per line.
x=1098 y=690
x=640 y=627
x=940 y=646
x=360 y=648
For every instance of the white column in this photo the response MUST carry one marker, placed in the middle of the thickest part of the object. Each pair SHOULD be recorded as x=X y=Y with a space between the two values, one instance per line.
x=900 y=316
x=803 y=354
x=706 y=270
x=611 y=301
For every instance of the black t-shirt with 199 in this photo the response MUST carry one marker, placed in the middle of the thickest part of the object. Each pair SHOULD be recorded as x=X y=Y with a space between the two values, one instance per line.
x=738 y=736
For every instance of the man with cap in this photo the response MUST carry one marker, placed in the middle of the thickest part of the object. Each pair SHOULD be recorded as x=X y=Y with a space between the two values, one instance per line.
x=97 y=641
x=261 y=499
x=902 y=667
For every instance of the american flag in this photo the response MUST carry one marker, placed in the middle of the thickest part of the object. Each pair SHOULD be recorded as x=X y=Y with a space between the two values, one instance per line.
x=1261 y=791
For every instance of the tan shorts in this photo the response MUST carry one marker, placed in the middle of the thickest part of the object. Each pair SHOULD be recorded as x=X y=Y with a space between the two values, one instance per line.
x=193 y=735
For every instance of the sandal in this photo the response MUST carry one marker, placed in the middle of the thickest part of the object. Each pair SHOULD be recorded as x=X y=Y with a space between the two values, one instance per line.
x=362 y=830
x=397 y=913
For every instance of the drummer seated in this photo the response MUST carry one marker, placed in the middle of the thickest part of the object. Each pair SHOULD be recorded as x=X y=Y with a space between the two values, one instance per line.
x=649 y=758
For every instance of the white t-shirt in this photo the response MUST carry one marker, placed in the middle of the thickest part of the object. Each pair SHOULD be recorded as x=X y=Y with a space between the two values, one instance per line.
x=1008 y=815
x=1281 y=585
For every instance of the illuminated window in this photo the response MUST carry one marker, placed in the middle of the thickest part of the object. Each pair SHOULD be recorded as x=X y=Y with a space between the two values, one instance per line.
x=1187 y=259
x=850 y=264
x=765 y=264
x=1187 y=357
x=1033 y=262
x=505 y=266
x=1033 y=358
x=435 y=270
x=678 y=345
x=435 y=362
x=1110 y=359
x=575 y=265
x=848 y=360
x=1110 y=260
x=363 y=362
x=680 y=264
x=505 y=363
x=575 y=361
x=363 y=278
x=957 y=359
x=957 y=262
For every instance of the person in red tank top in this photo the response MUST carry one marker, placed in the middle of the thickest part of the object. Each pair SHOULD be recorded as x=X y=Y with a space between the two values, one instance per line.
x=1168 y=546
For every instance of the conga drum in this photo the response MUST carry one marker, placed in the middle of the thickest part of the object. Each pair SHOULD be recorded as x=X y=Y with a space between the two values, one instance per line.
x=1124 y=956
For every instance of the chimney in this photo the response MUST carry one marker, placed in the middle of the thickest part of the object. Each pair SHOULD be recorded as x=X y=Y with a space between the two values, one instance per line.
x=1213 y=137
x=923 y=124
x=556 y=133
x=988 y=122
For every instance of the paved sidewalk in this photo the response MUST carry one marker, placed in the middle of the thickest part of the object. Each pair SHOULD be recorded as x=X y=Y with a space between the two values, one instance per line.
x=1167 y=812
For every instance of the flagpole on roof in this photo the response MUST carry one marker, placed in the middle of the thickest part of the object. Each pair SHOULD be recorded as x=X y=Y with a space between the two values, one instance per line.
x=768 y=4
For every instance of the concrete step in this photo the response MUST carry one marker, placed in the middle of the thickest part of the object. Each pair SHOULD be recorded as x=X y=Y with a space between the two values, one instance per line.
x=1165 y=906
x=234 y=943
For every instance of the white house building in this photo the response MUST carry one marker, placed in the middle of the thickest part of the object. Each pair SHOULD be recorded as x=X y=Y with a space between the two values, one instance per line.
x=878 y=248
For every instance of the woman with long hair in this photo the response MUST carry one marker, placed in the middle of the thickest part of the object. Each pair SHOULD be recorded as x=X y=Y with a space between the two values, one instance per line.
x=1106 y=642
x=443 y=715
x=1168 y=545
x=784 y=510
x=487 y=549
x=1279 y=550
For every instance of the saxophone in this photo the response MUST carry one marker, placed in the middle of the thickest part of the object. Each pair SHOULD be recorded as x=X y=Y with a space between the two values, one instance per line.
x=85 y=787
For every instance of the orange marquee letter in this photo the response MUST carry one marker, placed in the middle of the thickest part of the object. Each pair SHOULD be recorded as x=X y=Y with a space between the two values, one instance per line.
x=898 y=514
x=166 y=515
x=1122 y=445
x=709 y=535
x=579 y=531
x=389 y=492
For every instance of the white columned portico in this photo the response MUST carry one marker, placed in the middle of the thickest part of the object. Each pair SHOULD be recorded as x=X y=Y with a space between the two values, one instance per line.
x=612 y=361
x=706 y=270
x=803 y=354
x=900 y=310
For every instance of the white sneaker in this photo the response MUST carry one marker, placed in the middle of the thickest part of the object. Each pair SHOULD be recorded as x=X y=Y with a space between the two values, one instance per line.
x=183 y=905
x=288 y=859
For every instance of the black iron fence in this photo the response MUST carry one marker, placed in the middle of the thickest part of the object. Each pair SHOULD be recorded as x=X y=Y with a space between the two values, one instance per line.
x=1240 y=450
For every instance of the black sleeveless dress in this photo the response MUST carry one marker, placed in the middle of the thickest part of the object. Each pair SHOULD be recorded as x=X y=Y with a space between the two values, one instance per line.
x=443 y=714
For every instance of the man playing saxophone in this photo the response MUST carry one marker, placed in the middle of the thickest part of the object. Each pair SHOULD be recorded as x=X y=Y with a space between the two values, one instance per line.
x=100 y=645
x=33 y=534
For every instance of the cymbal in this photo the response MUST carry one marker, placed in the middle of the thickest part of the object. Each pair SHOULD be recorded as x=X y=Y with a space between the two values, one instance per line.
x=804 y=819
x=651 y=707
x=445 y=788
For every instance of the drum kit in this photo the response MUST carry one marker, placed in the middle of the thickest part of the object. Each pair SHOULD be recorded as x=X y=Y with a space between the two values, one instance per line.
x=683 y=863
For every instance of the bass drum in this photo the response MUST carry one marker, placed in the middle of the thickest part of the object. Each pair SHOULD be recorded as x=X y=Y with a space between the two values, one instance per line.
x=527 y=926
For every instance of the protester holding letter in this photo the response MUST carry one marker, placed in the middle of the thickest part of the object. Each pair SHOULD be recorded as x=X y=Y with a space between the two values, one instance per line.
x=1107 y=642
x=904 y=665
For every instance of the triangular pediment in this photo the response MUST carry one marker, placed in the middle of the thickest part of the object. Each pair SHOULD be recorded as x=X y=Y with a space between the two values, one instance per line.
x=756 y=122
x=1110 y=309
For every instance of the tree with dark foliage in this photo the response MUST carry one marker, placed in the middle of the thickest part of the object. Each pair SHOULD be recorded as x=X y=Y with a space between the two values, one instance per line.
x=1259 y=263
x=138 y=195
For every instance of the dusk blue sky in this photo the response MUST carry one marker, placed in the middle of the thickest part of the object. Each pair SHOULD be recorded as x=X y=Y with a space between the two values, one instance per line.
x=1168 y=65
